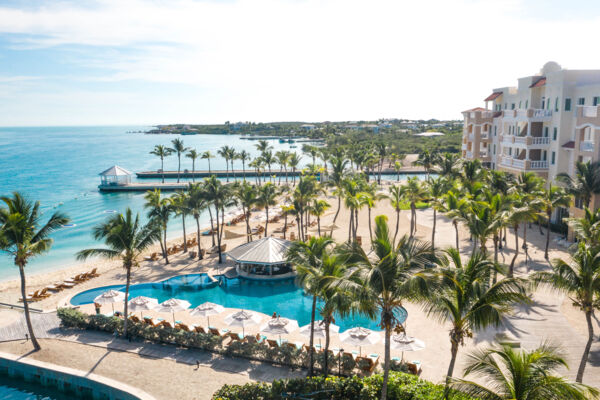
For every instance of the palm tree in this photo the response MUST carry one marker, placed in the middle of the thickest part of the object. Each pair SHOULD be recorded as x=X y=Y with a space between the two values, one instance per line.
x=447 y=165
x=467 y=300
x=519 y=211
x=233 y=155
x=384 y=278
x=267 y=197
x=160 y=209
x=23 y=236
x=436 y=188
x=126 y=238
x=336 y=179
x=293 y=162
x=520 y=375
x=247 y=196
x=162 y=152
x=587 y=228
x=369 y=198
x=262 y=146
x=382 y=152
x=220 y=197
x=551 y=198
x=426 y=160
x=180 y=149
x=308 y=258
x=243 y=156
x=179 y=204
x=207 y=155
x=268 y=159
x=317 y=209
x=397 y=201
x=285 y=211
x=225 y=152
x=398 y=167
x=580 y=279
x=453 y=206
x=282 y=157
x=312 y=151
x=197 y=203
x=586 y=182
x=193 y=155
x=413 y=191
x=530 y=186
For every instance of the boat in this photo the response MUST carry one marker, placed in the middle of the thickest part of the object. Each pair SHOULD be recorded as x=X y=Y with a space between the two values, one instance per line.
x=290 y=140
x=293 y=146
x=282 y=140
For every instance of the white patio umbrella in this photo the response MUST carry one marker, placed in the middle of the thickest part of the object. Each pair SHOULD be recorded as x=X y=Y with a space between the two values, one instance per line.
x=110 y=297
x=406 y=343
x=319 y=331
x=207 y=309
x=359 y=336
x=243 y=319
x=280 y=326
x=142 y=303
x=173 y=305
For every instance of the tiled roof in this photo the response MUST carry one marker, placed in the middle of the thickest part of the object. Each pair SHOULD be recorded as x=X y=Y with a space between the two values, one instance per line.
x=476 y=109
x=493 y=96
x=539 y=83
x=569 y=145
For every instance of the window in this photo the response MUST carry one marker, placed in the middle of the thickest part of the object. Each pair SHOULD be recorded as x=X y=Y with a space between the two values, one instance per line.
x=556 y=105
x=567 y=104
x=579 y=202
x=553 y=157
x=543 y=103
x=495 y=130
x=554 y=133
x=510 y=151
x=494 y=149
x=596 y=100
x=505 y=106
x=512 y=106
x=581 y=101
x=519 y=104
x=545 y=131
x=526 y=103
x=548 y=104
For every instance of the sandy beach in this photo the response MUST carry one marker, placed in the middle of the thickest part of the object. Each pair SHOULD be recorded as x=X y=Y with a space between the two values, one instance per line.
x=551 y=318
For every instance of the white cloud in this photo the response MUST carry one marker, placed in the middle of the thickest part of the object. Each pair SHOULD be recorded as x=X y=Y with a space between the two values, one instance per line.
x=307 y=60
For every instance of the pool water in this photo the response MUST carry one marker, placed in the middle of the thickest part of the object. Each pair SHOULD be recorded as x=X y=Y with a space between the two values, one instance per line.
x=13 y=388
x=281 y=296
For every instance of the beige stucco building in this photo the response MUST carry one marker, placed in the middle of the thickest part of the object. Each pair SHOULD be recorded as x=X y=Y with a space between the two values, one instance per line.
x=545 y=124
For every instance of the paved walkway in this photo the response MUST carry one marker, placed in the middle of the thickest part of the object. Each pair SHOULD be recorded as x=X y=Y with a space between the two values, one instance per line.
x=47 y=326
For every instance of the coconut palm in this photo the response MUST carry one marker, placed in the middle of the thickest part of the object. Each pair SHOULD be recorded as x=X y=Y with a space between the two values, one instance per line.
x=125 y=238
x=512 y=374
x=369 y=197
x=262 y=146
x=427 y=160
x=397 y=202
x=159 y=212
x=336 y=179
x=207 y=155
x=550 y=199
x=179 y=204
x=586 y=182
x=352 y=192
x=454 y=206
x=580 y=279
x=23 y=236
x=467 y=300
x=413 y=192
x=312 y=151
x=233 y=155
x=318 y=208
x=382 y=151
x=447 y=165
x=293 y=162
x=197 y=202
x=226 y=152
x=436 y=189
x=286 y=211
x=219 y=196
x=162 y=152
x=519 y=212
x=193 y=155
x=180 y=149
x=530 y=186
x=243 y=156
x=267 y=197
x=269 y=159
x=246 y=195
x=383 y=279
x=282 y=157
x=587 y=228
x=308 y=258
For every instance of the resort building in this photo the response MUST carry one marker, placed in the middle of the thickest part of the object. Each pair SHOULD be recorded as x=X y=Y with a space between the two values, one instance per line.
x=263 y=259
x=545 y=125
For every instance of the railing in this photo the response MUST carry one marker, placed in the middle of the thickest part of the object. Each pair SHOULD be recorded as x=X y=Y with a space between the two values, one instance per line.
x=464 y=146
x=590 y=111
x=508 y=113
x=586 y=146
x=521 y=113
x=520 y=139
x=487 y=114
x=540 y=140
x=507 y=139
x=538 y=113
x=469 y=154
x=485 y=136
x=518 y=163
x=538 y=164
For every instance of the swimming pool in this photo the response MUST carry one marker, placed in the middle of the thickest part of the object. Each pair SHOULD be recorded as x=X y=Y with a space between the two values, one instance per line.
x=13 y=388
x=281 y=296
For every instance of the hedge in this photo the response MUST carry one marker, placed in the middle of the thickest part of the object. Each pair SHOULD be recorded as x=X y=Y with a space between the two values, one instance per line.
x=401 y=386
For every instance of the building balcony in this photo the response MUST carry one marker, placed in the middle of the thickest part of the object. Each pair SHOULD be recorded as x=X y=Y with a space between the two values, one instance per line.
x=464 y=146
x=469 y=154
x=524 y=165
x=586 y=145
x=471 y=137
x=534 y=142
x=530 y=114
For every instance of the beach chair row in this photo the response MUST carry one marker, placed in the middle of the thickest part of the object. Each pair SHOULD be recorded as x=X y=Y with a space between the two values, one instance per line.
x=58 y=286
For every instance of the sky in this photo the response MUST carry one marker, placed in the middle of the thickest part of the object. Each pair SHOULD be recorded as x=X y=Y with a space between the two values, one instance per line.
x=133 y=62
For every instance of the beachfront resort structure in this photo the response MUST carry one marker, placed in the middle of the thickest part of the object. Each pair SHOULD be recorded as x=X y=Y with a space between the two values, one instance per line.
x=545 y=125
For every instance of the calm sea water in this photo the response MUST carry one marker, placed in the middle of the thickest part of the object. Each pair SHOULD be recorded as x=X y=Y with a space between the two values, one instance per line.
x=60 y=166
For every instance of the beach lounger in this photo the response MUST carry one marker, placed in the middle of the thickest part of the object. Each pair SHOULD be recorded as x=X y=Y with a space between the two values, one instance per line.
x=165 y=324
x=135 y=319
x=94 y=273
x=67 y=285
x=273 y=343
x=367 y=364
x=216 y=332
x=54 y=287
x=198 y=329
x=414 y=367
x=182 y=326
x=350 y=355
x=234 y=336
x=149 y=321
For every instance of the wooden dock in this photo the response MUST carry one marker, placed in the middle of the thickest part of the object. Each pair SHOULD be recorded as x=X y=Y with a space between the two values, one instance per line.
x=144 y=187
x=238 y=173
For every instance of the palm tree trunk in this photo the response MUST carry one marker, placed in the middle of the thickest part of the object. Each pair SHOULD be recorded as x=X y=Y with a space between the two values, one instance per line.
x=162 y=169
x=495 y=274
x=525 y=241
x=232 y=170
x=511 y=268
x=248 y=235
x=413 y=209
x=193 y=170
x=285 y=216
x=588 y=345
x=218 y=236
x=267 y=221
x=350 y=226
x=286 y=175
x=453 y=352
x=209 y=166
x=34 y=341
x=165 y=242
x=319 y=225
x=312 y=336
x=386 y=362
x=126 y=301
x=244 y=170
x=397 y=224
x=178 y=166
x=355 y=223
x=547 y=235
x=212 y=227
x=227 y=166
x=326 y=353
x=433 y=231
x=370 y=227
x=298 y=225
x=198 y=234
x=185 y=249
x=455 y=223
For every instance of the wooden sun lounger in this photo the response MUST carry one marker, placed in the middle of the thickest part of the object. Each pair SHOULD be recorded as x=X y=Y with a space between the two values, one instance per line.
x=272 y=343
x=198 y=329
x=93 y=273
x=234 y=336
x=368 y=364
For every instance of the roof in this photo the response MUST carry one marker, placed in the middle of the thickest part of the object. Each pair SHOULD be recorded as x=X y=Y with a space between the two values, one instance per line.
x=429 y=134
x=539 y=83
x=115 y=170
x=569 y=145
x=268 y=250
x=493 y=96
x=476 y=109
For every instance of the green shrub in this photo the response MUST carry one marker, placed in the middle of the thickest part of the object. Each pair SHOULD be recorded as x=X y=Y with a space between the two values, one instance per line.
x=72 y=318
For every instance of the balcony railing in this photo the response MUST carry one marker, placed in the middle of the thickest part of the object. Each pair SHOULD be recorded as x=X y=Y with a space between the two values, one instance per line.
x=589 y=111
x=523 y=164
x=586 y=146
x=538 y=113
x=520 y=139
x=539 y=140
x=464 y=146
x=538 y=164
x=521 y=113
x=469 y=154
x=485 y=136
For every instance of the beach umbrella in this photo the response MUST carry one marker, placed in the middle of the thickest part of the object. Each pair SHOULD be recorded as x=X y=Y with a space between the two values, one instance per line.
x=359 y=336
x=207 y=309
x=319 y=331
x=279 y=326
x=243 y=319
x=110 y=297
x=173 y=305
x=406 y=343
x=142 y=303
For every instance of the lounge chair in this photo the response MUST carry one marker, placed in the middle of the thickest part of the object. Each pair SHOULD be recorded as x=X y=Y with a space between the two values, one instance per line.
x=350 y=355
x=216 y=332
x=67 y=285
x=273 y=343
x=414 y=367
x=292 y=236
x=56 y=287
x=234 y=336
x=165 y=324
x=306 y=348
x=94 y=273
x=359 y=240
x=135 y=319
x=149 y=321
x=182 y=326
x=198 y=329
x=367 y=364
